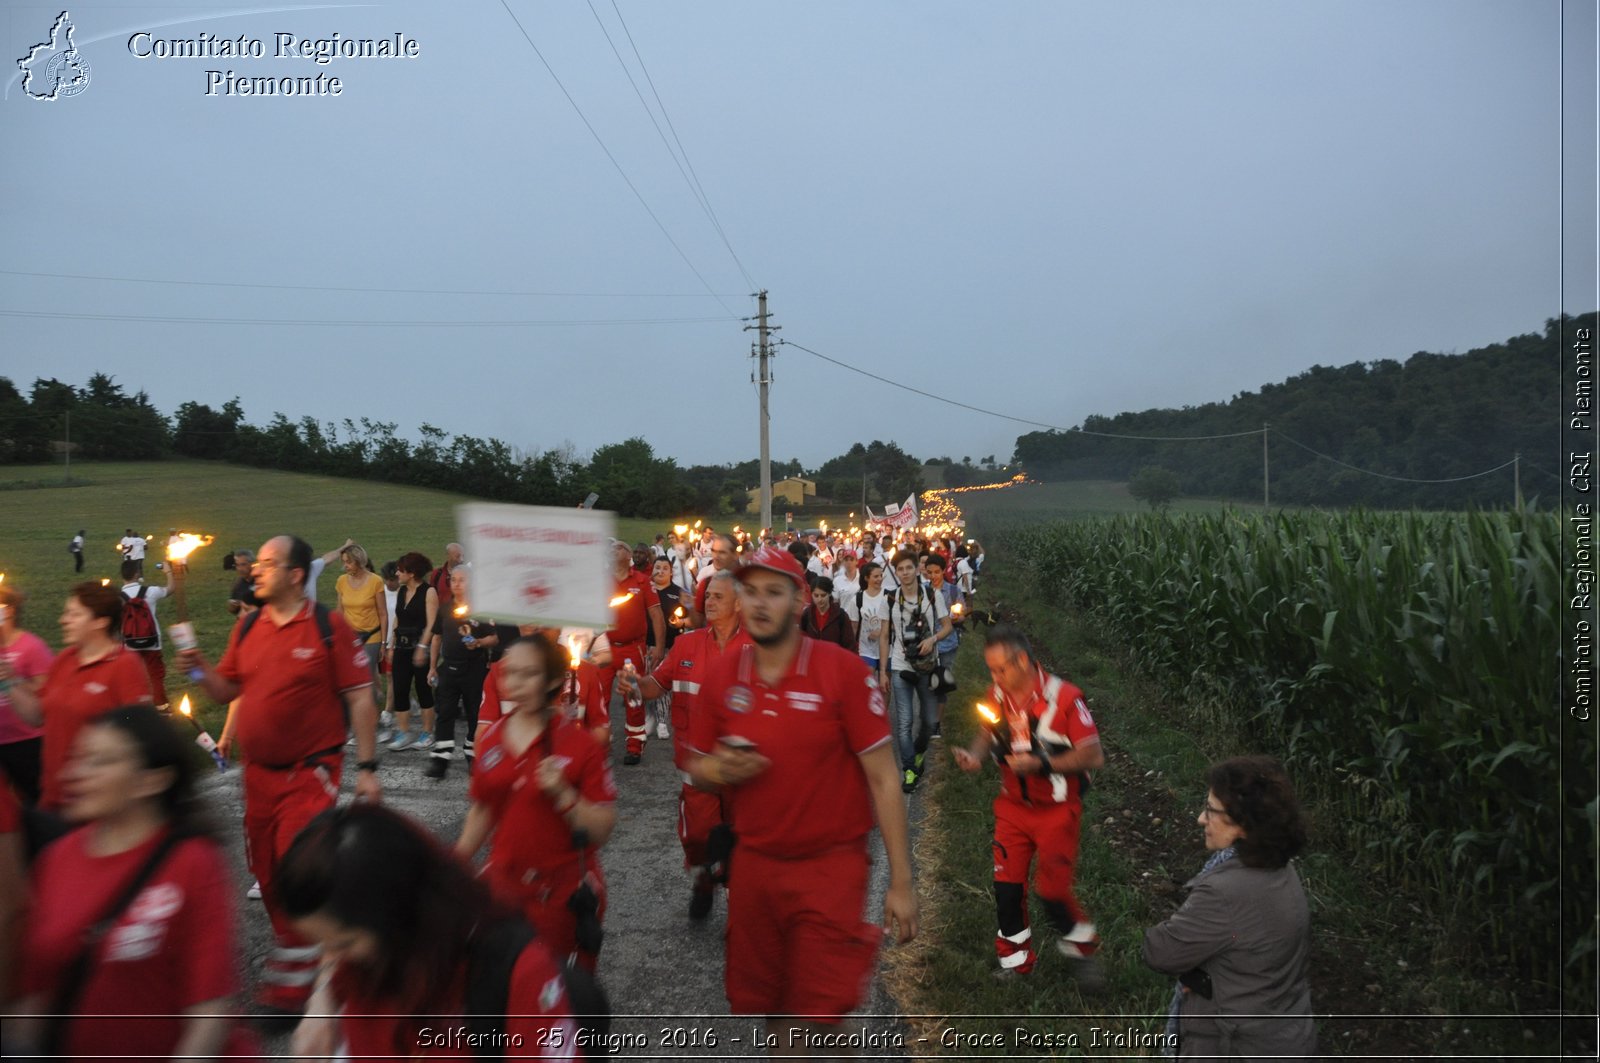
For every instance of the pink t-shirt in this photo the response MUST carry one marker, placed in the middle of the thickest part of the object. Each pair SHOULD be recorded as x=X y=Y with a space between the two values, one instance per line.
x=28 y=657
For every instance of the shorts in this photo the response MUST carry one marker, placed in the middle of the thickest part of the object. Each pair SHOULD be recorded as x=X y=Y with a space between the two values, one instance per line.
x=796 y=941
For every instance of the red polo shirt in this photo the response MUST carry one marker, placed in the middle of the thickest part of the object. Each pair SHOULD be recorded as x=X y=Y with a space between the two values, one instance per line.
x=588 y=709
x=632 y=617
x=74 y=693
x=529 y=832
x=291 y=694
x=692 y=656
x=1062 y=722
x=814 y=726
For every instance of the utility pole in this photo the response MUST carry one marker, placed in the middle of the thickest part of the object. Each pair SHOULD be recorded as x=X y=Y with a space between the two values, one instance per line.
x=1266 y=469
x=69 y=445
x=763 y=379
x=1516 y=480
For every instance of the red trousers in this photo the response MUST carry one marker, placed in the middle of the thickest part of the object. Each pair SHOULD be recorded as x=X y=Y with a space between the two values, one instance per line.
x=635 y=716
x=542 y=897
x=698 y=813
x=1022 y=831
x=156 y=669
x=277 y=806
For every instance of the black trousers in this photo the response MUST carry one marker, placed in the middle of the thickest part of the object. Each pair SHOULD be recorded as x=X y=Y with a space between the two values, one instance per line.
x=460 y=691
x=406 y=676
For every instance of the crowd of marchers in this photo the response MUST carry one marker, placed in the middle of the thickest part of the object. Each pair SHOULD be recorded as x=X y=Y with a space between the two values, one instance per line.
x=801 y=680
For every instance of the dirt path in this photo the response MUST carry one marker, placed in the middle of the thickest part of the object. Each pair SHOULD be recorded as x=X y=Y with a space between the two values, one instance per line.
x=662 y=971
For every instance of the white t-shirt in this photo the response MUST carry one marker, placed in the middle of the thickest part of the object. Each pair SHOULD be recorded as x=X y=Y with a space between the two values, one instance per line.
x=134 y=548
x=874 y=614
x=816 y=567
x=844 y=592
x=903 y=616
x=151 y=596
x=390 y=598
x=964 y=575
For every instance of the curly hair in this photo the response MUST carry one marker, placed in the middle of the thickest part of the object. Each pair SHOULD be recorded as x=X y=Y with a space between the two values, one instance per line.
x=415 y=564
x=1258 y=796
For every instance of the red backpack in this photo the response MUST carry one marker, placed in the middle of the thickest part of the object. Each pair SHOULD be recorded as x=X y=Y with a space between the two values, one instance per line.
x=139 y=623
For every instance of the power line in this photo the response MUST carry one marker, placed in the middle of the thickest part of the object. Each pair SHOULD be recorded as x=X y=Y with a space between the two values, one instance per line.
x=186 y=320
x=618 y=166
x=1386 y=476
x=1007 y=416
x=704 y=199
x=371 y=291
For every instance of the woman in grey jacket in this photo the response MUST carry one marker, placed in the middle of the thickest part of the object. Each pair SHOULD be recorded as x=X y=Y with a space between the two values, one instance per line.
x=1240 y=943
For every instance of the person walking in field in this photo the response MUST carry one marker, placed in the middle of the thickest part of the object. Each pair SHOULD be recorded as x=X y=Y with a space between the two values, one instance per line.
x=76 y=549
x=1045 y=743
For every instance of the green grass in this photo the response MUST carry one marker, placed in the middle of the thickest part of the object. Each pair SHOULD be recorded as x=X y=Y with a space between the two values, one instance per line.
x=242 y=507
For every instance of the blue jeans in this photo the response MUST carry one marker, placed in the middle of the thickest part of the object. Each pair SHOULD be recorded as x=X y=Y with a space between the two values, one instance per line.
x=912 y=699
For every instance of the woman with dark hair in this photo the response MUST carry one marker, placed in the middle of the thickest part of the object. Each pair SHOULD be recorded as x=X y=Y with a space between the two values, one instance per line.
x=131 y=935
x=415 y=610
x=1241 y=942
x=408 y=938
x=91 y=674
x=543 y=790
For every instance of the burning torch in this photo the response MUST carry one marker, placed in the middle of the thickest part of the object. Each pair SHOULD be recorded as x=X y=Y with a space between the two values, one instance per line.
x=183 y=634
x=202 y=738
x=572 y=669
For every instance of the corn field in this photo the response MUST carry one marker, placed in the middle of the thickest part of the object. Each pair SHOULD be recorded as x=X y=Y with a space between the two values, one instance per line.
x=1408 y=669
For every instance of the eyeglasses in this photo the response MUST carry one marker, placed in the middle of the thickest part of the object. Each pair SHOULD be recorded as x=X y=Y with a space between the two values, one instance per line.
x=1208 y=811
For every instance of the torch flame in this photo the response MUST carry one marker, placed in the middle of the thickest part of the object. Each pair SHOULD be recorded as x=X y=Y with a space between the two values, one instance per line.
x=987 y=713
x=956 y=608
x=572 y=652
x=183 y=706
x=621 y=599
x=678 y=611
x=461 y=610
x=105 y=583
x=696 y=525
x=187 y=544
x=680 y=529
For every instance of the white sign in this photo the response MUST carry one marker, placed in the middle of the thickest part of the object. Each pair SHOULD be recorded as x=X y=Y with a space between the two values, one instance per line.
x=538 y=564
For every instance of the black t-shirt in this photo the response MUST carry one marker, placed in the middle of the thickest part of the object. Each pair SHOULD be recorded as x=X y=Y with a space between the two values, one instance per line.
x=452 y=650
x=671 y=597
x=244 y=591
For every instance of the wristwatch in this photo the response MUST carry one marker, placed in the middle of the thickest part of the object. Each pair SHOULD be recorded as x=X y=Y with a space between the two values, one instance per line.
x=366 y=765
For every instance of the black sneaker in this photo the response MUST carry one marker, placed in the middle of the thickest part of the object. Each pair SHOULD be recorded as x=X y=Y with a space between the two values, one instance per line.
x=704 y=893
x=437 y=767
x=631 y=759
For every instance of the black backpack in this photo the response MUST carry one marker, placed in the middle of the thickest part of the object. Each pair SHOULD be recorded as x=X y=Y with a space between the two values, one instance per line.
x=491 y=957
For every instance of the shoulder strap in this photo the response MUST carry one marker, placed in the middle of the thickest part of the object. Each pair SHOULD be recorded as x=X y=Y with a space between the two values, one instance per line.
x=77 y=972
x=247 y=623
x=324 y=624
x=143 y=587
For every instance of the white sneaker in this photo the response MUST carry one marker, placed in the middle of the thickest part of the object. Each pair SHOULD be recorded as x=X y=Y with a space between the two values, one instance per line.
x=254 y=892
x=661 y=729
x=424 y=742
x=401 y=741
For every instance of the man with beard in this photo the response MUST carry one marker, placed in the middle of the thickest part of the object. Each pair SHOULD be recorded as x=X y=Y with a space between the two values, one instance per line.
x=794 y=732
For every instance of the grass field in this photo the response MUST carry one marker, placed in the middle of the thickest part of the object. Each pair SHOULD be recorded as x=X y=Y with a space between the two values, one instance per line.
x=242 y=507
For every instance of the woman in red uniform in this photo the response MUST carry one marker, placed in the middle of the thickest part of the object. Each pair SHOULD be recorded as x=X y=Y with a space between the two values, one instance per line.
x=407 y=957
x=543 y=789
x=159 y=982
x=92 y=674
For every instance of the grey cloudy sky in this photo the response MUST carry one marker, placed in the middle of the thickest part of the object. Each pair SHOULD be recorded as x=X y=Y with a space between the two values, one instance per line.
x=1051 y=208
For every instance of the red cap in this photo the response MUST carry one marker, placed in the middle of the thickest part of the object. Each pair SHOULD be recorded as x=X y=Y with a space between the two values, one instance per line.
x=774 y=559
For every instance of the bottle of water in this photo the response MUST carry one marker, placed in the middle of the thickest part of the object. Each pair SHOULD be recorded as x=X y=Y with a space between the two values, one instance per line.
x=630 y=691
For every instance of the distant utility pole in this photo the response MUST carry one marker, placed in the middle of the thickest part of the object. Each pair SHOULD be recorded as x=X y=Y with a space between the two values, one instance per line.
x=69 y=445
x=763 y=378
x=1516 y=480
x=1266 y=469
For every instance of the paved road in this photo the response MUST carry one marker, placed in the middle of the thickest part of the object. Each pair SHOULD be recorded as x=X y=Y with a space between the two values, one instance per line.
x=662 y=971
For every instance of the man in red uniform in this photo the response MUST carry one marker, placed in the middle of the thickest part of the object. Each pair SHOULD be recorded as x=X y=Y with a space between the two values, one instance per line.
x=637 y=612
x=1045 y=742
x=693 y=654
x=795 y=732
x=295 y=689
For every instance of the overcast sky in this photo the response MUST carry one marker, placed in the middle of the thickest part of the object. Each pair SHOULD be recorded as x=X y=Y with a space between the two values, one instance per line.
x=1048 y=208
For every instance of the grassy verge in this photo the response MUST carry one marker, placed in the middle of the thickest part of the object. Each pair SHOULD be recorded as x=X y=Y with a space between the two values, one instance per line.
x=1389 y=977
x=241 y=506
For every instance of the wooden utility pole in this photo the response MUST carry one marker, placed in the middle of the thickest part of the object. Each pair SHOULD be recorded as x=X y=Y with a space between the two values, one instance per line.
x=1516 y=480
x=763 y=354
x=1266 y=469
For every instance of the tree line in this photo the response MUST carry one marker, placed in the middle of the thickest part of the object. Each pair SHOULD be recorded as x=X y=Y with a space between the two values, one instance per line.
x=101 y=422
x=1432 y=417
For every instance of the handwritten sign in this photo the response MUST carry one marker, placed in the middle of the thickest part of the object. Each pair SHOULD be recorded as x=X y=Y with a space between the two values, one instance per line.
x=538 y=564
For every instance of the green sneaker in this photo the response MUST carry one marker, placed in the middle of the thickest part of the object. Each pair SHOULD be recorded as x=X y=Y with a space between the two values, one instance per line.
x=917 y=762
x=910 y=782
